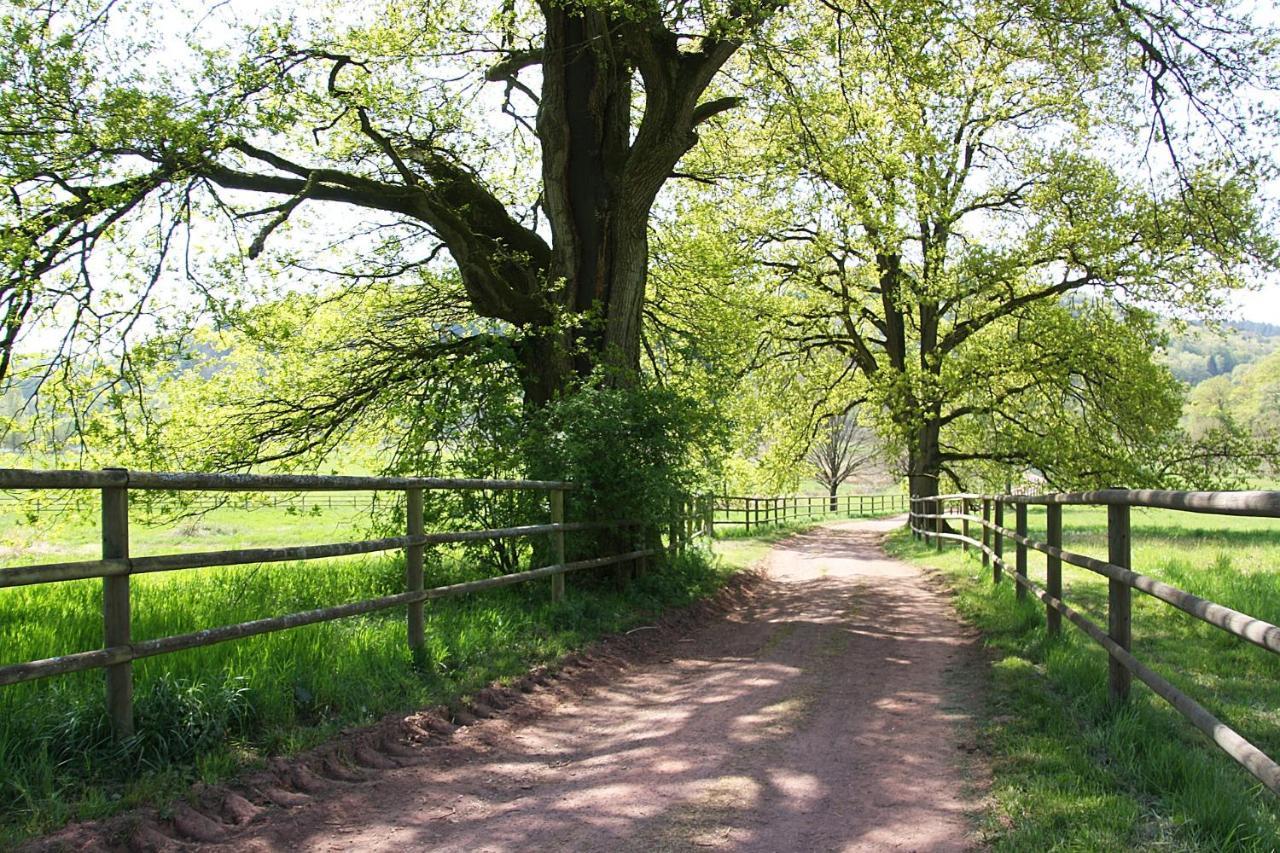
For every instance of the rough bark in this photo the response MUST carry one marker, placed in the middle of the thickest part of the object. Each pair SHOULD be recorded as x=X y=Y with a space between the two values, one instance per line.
x=924 y=466
x=600 y=180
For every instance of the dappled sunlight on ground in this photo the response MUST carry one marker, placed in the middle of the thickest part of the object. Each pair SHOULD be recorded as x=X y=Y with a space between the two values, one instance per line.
x=822 y=717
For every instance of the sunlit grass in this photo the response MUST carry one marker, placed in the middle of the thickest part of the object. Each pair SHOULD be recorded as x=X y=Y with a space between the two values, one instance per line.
x=1071 y=772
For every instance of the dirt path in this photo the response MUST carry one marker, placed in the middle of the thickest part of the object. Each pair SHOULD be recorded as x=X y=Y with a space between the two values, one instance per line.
x=821 y=716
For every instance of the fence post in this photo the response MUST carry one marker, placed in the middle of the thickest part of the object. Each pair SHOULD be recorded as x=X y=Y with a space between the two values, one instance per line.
x=998 y=544
x=1053 y=566
x=688 y=523
x=115 y=606
x=1118 y=599
x=413 y=559
x=938 y=522
x=964 y=526
x=557 y=544
x=1020 y=523
x=673 y=526
x=709 y=515
x=746 y=514
x=986 y=532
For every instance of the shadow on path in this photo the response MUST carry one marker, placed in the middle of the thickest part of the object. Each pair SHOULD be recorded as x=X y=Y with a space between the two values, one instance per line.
x=821 y=717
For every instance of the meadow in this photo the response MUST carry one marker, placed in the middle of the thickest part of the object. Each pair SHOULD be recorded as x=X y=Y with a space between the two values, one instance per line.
x=1071 y=771
x=205 y=714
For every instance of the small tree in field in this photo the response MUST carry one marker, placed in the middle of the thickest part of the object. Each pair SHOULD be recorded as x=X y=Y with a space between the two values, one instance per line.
x=840 y=448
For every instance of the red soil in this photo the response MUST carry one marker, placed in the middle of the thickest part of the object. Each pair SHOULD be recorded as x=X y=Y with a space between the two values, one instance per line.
x=819 y=707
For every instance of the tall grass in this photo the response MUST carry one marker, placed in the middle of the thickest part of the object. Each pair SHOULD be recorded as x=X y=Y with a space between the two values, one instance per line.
x=1073 y=772
x=204 y=713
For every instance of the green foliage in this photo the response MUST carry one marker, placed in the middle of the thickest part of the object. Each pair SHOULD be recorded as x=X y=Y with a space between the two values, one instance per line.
x=1249 y=397
x=1198 y=353
x=635 y=452
x=934 y=196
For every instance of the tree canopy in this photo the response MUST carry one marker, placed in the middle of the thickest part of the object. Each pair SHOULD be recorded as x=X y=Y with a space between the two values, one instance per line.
x=947 y=204
x=931 y=207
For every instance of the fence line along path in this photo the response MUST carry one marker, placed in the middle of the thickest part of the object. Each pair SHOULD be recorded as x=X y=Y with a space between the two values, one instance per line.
x=116 y=566
x=750 y=512
x=689 y=517
x=929 y=519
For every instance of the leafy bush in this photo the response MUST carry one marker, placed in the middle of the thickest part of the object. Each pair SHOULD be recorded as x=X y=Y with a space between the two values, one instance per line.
x=634 y=453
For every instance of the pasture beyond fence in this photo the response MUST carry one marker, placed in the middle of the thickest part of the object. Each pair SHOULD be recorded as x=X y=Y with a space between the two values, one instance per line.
x=931 y=517
x=688 y=518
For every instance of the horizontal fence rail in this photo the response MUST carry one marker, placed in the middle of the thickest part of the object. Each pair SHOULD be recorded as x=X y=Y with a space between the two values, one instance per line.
x=49 y=503
x=754 y=512
x=20 y=478
x=929 y=518
x=689 y=519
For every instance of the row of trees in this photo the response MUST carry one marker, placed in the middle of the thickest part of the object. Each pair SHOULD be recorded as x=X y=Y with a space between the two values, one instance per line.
x=450 y=225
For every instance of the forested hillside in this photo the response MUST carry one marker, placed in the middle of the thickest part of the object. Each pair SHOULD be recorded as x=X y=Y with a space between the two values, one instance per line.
x=1249 y=395
x=1201 y=353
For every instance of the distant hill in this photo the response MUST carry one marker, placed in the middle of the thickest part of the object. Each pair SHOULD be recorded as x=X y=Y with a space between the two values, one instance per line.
x=1202 y=353
x=1250 y=394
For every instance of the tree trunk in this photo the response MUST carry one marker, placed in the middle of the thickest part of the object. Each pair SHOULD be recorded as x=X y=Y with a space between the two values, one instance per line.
x=599 y=231
x=924 y=466
x=835 y=502
x=601 y=174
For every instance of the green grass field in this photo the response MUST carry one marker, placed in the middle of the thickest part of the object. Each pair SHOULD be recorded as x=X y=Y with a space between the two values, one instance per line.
x=204 y=714
x=72 y=533
x=1073 y=773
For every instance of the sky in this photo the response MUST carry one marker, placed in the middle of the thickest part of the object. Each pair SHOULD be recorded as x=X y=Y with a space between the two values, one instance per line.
x=1262 y=306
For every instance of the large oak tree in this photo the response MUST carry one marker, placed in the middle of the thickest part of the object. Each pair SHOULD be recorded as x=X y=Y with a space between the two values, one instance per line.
x=528 y=141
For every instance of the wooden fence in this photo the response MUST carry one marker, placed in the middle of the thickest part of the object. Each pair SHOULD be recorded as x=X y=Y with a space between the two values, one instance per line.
x=930 y=516
x=55 y=503
x=116 y=566
x=756 y=512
